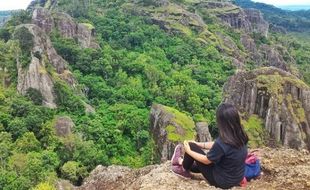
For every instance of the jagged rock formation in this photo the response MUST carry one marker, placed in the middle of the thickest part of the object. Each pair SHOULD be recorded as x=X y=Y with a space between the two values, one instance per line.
x=66 y=26
x=280 y=168
x=249 y=20
x=278 y=97
x=169 y=16
x=264 y=55
x=64 y=126
x=169 y=127
x=37 y=75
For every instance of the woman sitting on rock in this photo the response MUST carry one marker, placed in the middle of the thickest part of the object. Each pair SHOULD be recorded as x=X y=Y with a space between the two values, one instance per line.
x=224 y=164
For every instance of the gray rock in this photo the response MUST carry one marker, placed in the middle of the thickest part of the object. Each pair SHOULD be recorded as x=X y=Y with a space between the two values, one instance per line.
x=66 y=25
x=37 y=75
x=249 y=20
x=279 y=98
x=203 y=134
x=168 y=130
x=63 y=126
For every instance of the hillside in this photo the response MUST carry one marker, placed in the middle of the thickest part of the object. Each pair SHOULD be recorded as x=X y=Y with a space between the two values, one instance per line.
x=4 y=15
x=293 y=21
x=88 y=83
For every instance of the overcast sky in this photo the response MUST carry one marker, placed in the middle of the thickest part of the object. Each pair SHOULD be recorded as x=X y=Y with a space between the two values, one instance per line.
x=13 y=4
x=22 y=4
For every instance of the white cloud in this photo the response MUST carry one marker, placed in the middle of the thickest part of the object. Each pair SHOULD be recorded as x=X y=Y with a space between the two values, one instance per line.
x=14 y=4
x=285 y=2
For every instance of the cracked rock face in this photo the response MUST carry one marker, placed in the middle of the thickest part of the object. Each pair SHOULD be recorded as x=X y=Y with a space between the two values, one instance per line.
x=168 y=129
x=66 y=26
x=279 y=98
x=37 y=75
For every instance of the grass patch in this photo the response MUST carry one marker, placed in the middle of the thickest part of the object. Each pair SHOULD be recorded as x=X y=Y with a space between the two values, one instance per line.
x=183 y=121
x=254 y=127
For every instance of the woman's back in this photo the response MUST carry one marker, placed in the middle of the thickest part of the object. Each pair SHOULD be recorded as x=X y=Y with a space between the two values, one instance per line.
x=229 y=163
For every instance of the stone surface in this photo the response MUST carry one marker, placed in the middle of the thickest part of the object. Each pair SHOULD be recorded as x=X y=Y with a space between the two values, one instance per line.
x=249 y=20
x=267 y=55
x=203 y=134
x=282 y=169
x=66 y=26
x=37 y=75
x=63 y=126
x=276 y=96
x=168 y=129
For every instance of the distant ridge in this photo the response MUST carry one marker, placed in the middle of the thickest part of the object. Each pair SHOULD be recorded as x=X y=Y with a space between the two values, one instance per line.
x=295 y=7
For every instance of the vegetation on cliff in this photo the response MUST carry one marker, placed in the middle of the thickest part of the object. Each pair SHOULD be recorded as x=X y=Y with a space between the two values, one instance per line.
x=140 y=62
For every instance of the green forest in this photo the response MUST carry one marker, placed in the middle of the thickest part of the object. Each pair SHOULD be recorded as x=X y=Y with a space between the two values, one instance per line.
x=138 y=64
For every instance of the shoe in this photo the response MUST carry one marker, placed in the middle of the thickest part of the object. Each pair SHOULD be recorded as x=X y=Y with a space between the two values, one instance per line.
x=180 y=171
x=176 y=155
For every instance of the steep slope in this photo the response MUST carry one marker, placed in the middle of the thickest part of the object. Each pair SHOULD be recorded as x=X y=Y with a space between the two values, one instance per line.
x=296 y=21
x=279 y=98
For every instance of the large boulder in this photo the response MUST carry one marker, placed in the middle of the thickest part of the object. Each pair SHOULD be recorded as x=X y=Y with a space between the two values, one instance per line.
x=64 y=126
x=169 y=127
x=279 y=98
x=203 y=134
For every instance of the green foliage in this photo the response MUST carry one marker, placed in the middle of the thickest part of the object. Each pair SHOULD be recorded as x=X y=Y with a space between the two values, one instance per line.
x=66 y=99
x=73 y=171
x=5 y=34
x=27 y=143
x=137 y=65
x=35 y=95
x=25 y=39
x=183 y=121
x=255 y=130
x=19 y=17
x=44 y=186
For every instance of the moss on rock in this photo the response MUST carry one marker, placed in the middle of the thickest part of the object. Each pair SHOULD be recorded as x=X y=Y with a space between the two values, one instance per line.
x=182 y=120
x=254 y=127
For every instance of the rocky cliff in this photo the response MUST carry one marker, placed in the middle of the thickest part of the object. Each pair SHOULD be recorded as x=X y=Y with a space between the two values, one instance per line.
x=249 y=20
x=280 y=168
x=44 y=62
x=169 y=127
x=278 y=97
x=66 y=26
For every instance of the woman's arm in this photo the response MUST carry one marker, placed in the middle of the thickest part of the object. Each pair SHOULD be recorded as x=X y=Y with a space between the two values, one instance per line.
x=204 y=145
x=197 y=156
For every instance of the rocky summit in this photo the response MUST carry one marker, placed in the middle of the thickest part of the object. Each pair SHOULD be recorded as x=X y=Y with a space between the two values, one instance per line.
x=280 y=168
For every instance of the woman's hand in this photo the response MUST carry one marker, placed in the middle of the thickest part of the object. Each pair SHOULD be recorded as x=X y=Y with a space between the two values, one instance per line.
x=186 y=146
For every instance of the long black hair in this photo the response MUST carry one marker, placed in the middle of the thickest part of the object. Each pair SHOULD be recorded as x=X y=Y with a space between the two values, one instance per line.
x=229 y=125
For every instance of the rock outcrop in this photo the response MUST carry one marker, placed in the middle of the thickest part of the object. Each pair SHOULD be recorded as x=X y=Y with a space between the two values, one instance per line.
x=202 y=130
x=37 y=75
x=264 y=55
x=64 y=126
x=249 y=20
x=169 y=16
x=282 y=169
x=169 y=127
x=276 y=96
x=67 y=27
